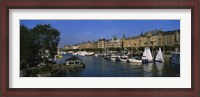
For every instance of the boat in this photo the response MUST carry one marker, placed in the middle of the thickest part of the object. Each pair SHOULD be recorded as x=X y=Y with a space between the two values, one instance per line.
x=107 y=57
x=74 y=62
x=136 y=59
x=62 y=52
x=113 y=57
x=123 y=58
x=175 y=58
x=101 y=55
x=96 y=55
x=136 y=63
x=159 y=56
x=58 y=56
x=74 y=53
x=81 y=53
x=89 y=54
x=147 y=56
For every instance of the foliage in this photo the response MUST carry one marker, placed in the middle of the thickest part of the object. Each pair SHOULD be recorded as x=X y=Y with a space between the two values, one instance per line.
x=141 y=48
x=26 y=47
x=37 y=44
x=47 y=38
x=45 y=69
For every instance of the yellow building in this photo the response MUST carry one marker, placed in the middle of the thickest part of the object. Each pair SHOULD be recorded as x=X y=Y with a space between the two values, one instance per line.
x=87 y=45
x=155 y=38
x=113 y=43
x=101 y=43
x=131 y=42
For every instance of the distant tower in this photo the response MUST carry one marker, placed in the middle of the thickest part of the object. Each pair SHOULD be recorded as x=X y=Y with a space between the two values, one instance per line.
x=123 y=36
x=160 y=29
x=123 y=40
x=141 y=33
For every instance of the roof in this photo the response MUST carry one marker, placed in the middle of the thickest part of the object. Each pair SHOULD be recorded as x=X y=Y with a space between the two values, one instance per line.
x=171 y=32
x=103 y=39
x=73 y=58
x=153 y=32
x=133 y=37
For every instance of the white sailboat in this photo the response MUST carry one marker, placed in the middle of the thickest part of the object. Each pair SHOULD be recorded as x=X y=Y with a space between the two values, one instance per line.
x=159 y=56
x=147 y=56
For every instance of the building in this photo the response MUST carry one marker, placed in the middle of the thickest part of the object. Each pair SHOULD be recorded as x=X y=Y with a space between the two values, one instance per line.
x=154 y=38
x=113 y=43
x=74 y=62
x=67 y=47
x=101 y=43
x=132 y=42
x=87 y=45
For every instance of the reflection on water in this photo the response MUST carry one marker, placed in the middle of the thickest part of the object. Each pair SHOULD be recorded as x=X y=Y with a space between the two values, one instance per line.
x=99 y=67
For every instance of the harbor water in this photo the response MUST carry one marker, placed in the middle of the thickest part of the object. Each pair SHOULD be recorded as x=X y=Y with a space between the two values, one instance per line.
x=100 y=67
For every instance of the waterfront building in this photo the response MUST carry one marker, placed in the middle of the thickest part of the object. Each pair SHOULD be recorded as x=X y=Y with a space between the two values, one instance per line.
x=74 y=47
x=154 y=38
x=113 y=43
x=87 y=45
x=101 y=43
x=66 y=47
x=131 y=41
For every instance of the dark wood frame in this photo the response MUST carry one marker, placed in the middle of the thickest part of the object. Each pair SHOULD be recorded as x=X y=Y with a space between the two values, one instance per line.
x=99 y=4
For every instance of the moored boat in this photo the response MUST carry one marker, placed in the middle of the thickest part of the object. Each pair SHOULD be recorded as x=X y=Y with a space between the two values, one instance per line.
x=89 y=54
x=136 y=59
x=81 y=53
x=123 y=58
x=159 y=56
x=147 y=56
x=74 y=53
x=113 y=57
x=58 y=56
x=175 y=58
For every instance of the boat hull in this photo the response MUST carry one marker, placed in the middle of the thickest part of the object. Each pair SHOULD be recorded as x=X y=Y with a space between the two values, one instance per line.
x=135 y=61
x=113 y=59
x=175 y=59
x=161 y=61
x=145 y=61
x=124 y=60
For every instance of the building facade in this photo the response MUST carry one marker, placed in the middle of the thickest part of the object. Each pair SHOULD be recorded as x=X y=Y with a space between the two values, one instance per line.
x=151 y=38
x=154 y=38
x=101 y=43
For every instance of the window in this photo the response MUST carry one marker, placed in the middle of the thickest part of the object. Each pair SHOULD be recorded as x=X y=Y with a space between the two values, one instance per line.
x=77 y=62
x=70 y=62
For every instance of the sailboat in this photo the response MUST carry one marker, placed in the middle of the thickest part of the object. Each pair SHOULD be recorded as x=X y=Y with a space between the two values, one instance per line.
x=159 y=56
x=147 y=56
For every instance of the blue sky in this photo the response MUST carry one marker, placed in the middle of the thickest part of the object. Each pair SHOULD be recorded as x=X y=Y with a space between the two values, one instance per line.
x=76 y=31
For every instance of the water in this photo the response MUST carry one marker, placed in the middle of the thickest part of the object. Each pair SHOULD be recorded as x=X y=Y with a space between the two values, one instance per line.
x=99 y=67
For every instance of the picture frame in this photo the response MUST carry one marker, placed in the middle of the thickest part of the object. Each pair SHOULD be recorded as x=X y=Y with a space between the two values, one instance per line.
x=89 y=4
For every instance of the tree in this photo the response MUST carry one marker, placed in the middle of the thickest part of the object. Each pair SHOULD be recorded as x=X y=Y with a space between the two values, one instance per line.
x=37 y=44
x=47 y=39
x=26 y=50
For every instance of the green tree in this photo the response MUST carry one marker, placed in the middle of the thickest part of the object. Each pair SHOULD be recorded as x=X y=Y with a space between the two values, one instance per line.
x=26 y=42
x=37 y=44
x=47 y=39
